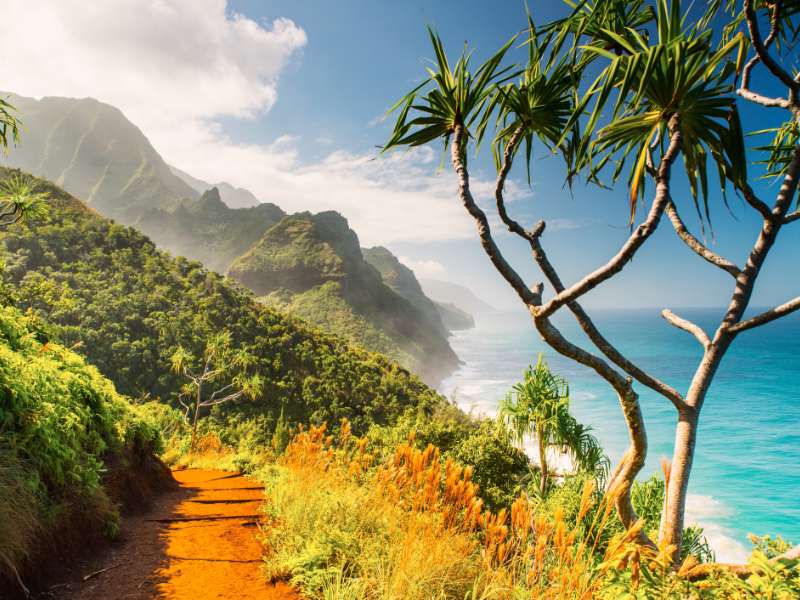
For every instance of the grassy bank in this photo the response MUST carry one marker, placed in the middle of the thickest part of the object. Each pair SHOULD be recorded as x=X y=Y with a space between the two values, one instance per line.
x=68 y=444
x=347 y=523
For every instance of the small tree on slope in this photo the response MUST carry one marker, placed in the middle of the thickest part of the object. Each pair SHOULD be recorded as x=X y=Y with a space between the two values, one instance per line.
x=668 y=87
x=219 y=376
x=538 y=407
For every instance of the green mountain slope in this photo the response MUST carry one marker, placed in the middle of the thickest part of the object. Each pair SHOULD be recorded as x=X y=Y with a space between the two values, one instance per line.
x=128 y=306
x=96 y=153
x=91 y=150
x=206 y=229
x=313 y=266
x=403 y=281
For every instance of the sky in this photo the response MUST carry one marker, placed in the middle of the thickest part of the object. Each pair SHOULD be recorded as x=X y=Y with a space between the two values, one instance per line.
x=286 y=98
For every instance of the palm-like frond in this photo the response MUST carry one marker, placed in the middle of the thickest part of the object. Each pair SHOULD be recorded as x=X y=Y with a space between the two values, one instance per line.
x=613 y=27
x=785 y=140
x=682 y=74
x=536 y=403
x=20 y=199
x=539 y=105
x=9 y=124
x=454 y=96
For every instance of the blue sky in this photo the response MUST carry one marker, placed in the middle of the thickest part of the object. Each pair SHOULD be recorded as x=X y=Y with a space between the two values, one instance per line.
x=284 y=97
x=362 y=55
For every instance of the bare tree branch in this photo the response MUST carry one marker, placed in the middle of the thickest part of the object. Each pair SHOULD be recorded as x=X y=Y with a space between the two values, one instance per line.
x=758 y=204
x=767 y=316
x=790 y=218
x=637 y=238
x=769 y=232
x=586 y=323
x=762 y=47
x=628 y=398
x=687 y=325
x=484 y=233
x=695 y=245
x=763 y=100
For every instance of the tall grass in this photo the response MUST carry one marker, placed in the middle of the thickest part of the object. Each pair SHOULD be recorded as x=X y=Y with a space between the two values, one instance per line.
x=414 y=527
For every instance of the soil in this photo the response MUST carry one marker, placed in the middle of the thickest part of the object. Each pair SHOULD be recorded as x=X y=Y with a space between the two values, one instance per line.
x=198 y=542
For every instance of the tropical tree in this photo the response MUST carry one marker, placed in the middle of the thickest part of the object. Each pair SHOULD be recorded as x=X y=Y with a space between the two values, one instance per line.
x=9 y=124
x=21 y=198
x=625 y=89
x=538 y=408
x=218 y=376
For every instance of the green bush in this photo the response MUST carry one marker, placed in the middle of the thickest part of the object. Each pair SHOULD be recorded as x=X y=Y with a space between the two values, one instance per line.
x=61 y=422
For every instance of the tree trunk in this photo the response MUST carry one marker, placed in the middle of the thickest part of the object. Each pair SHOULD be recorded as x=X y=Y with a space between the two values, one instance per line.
x=196 y=417
x=542 y=461
x=671 y=529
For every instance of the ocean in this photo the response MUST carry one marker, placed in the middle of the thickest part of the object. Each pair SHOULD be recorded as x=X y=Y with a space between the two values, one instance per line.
x=746 y=474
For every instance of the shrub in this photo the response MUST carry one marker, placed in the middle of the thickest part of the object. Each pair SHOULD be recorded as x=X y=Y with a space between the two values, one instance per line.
x=61 y=424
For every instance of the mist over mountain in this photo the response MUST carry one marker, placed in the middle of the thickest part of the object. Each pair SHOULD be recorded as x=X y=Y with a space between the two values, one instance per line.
x=446 y=292
x=233 y=196
x=91 y=150
x=206 y=229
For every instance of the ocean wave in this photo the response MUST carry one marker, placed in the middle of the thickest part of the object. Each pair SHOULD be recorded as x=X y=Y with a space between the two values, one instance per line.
x=706 y=512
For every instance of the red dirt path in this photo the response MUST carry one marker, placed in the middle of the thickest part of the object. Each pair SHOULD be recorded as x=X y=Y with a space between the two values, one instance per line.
x=193 y=559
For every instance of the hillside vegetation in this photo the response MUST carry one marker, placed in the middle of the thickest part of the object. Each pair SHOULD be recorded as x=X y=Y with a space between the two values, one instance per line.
x=206 y=229
x=129 y=306
x=313 y=266
x=68 y=441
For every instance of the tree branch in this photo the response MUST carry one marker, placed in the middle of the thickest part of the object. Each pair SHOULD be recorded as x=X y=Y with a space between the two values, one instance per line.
x=484 y=231
x=790 y=218
x=635 y=241
x=769 y=232
x=586 y=323
x=762 y=47
x=634 y=459
x=767 y=316
x=695 y=245
x=687 y=325
x=758 y=204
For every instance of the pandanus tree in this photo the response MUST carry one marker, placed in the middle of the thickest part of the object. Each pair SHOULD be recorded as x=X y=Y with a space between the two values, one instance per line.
x=20 y=196
x=219 y=376
x=20 y=199
x=628 y=89
x=537 y=408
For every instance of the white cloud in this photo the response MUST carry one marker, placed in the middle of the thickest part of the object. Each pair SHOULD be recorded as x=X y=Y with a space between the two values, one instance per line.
x=176 y=67
x=167 y=64
x=424 y=268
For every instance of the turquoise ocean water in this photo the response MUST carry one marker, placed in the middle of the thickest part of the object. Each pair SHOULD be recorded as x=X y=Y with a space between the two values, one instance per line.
x=746 y=475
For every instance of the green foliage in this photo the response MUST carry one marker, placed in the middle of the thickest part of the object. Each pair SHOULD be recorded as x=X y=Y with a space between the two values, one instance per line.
x=61 y=423
x=9 y=124
x=313 y=267
x=20 y=199
x=456 y=97
x=538 y=407
x=129 y=307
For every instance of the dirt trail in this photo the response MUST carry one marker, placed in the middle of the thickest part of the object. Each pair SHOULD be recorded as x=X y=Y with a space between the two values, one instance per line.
x=196 y=557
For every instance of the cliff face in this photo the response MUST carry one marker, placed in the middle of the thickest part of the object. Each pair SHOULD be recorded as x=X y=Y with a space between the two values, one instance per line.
x=313 y=266
x=403 y=281
x=91 y=150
